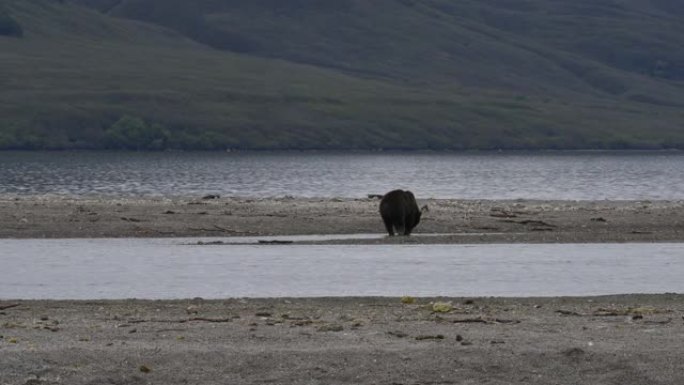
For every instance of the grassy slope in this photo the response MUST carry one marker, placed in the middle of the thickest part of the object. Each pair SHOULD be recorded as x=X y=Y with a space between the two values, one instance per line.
x=392 y=74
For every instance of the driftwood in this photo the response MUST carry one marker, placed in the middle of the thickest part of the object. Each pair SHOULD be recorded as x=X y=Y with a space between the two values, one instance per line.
x=470 y=321
x=276 y=242
x=661 y=322
x=502 y=214
x=218 y=229
x=127 y=219
x=484 y=321
x=528 y=222
x=427 y=337
x=182 y=321
x=568 y=312
x=148 y=230
x=5 y=307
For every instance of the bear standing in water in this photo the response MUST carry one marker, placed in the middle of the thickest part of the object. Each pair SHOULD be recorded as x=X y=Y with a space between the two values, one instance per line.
x=400 y=212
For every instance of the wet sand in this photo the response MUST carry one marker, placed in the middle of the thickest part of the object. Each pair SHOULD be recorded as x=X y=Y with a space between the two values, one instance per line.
x=461 y=221
x=632 y=339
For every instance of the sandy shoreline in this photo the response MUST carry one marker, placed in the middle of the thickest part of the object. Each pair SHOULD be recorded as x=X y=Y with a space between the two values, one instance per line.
x=467 y=221
x=631 y=339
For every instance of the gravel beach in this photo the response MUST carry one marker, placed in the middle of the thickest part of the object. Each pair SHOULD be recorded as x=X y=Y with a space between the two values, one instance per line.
x=631 y=339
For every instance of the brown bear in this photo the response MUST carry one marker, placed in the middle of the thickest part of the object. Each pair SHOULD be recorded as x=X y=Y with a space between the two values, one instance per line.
x=399 y=211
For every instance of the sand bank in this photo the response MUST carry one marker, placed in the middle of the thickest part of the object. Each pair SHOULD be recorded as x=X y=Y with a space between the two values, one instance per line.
x=466 y=221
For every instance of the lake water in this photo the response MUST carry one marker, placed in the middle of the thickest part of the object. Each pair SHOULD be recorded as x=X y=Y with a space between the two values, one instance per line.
x=554 y=175
x=172 y=268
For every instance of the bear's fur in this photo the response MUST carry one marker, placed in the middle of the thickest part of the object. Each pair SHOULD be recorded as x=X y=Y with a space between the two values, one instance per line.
x=400 y=212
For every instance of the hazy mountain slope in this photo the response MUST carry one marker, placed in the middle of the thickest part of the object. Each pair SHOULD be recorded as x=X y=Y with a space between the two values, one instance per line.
x=541 y=46
x=75 y=72
x=344 y=74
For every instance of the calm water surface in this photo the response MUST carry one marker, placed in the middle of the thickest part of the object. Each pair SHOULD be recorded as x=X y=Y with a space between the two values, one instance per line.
x=170 y=268
x=575 y=176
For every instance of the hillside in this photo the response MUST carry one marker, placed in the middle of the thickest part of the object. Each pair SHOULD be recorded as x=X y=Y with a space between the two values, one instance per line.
x=304 y=74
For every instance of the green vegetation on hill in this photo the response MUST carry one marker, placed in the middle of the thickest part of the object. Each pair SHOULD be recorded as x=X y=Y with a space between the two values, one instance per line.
x=316 y=74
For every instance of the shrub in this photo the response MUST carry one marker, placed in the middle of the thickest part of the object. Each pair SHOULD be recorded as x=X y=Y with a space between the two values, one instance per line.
x=131 y=133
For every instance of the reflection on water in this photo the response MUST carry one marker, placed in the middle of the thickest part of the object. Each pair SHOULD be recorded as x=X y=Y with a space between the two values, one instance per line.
x=590 y=176
x=170 y=268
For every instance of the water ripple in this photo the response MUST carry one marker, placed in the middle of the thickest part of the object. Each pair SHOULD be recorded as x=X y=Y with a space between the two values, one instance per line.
x=571 y=176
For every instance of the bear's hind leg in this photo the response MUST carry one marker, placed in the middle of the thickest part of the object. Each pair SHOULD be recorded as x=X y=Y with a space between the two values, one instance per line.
x=388 y=226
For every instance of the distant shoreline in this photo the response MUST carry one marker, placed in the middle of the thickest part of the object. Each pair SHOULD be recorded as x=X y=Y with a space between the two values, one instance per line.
x=461 y=221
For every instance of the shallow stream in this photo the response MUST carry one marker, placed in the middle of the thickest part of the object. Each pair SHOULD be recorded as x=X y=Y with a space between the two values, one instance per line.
x=179 y=268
